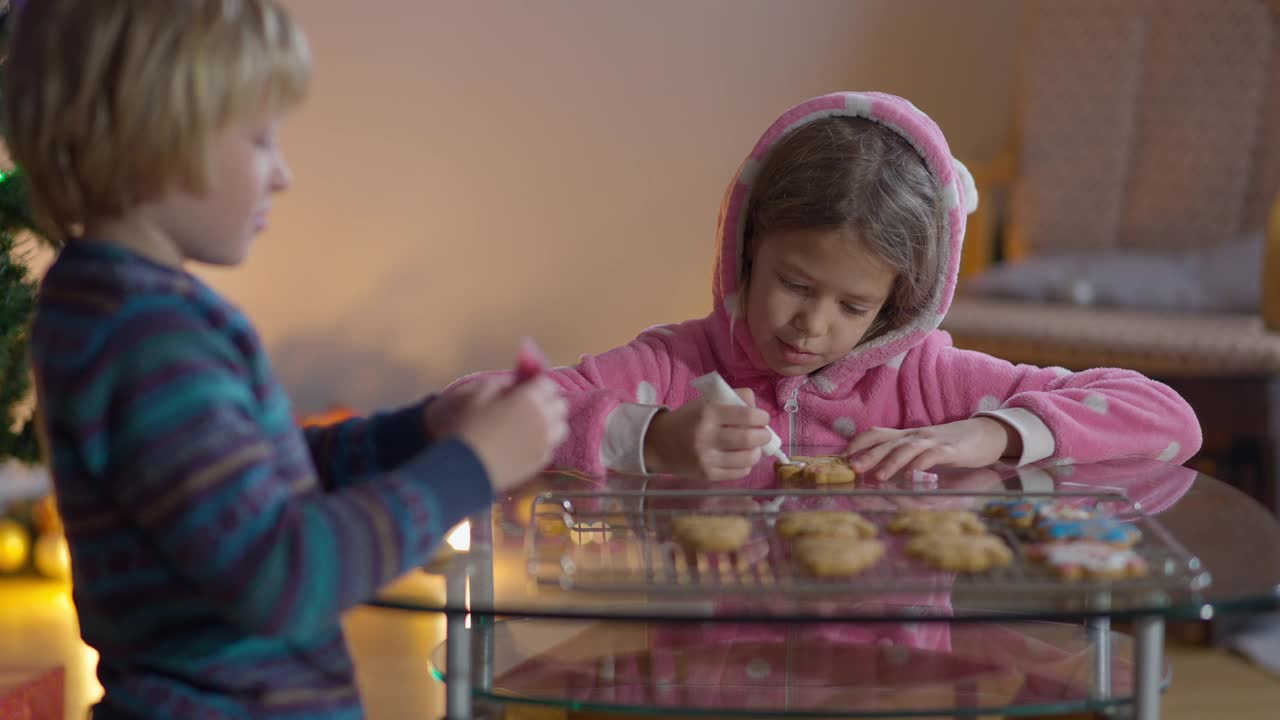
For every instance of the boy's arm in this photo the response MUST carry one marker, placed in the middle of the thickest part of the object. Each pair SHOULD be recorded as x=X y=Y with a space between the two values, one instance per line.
x=354 y=449
x=1084 y=416
x=235 y=506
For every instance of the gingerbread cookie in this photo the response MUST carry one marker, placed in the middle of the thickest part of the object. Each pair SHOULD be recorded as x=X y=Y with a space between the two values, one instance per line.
x=961 y=553
x=711 y=533
x=836 y=556
x=1094 y=560
x=820 y=523
x=1017 y=513
x=937 y=522
x=1103 y=530
x=819 y=470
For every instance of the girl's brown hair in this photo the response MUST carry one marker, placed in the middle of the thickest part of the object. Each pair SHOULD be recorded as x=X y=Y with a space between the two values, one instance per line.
x=855 y=175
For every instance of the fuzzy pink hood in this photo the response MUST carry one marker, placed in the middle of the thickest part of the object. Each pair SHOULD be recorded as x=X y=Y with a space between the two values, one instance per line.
x=959 y=197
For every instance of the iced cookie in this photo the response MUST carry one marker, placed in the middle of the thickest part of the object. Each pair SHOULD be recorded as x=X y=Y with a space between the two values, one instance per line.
x=1094 y=560
x=961 y=553
x=711 y=533
x=1103 y=530
x=1061 y=511
x=937 y=522
x=820 y=470
x=820 y=523
x=835 y=556
x=1017 y=513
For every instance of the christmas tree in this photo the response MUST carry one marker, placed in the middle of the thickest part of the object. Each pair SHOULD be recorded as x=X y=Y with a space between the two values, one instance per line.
x=17 y=301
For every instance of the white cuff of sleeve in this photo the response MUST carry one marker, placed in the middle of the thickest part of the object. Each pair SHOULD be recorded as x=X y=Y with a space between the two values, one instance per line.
x=623 y=447
x=1037 y=440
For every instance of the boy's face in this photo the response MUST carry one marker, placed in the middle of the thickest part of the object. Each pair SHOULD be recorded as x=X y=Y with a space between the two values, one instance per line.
x=218 y=225
x=811 y=297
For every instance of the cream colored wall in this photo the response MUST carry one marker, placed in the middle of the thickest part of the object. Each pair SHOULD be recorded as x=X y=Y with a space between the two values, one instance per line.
x=468 y=172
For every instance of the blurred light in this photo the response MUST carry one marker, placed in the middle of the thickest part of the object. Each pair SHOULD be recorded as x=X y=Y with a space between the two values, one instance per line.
x=459 y=538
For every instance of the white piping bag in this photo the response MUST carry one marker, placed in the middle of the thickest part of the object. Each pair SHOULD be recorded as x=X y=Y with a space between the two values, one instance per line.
x=713 y=387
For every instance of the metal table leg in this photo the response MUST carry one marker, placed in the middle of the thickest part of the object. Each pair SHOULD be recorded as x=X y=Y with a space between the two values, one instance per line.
x=1148 y=658
x=481 y=587
x=468 y=653
x=458 y=668
x=1099 y=639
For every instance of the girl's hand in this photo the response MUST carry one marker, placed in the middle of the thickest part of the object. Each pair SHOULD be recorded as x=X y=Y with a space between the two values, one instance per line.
x=707 y=441
x=880 y=453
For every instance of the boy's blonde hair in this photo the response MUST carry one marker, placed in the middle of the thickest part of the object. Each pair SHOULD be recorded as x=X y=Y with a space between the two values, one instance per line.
x=112 y=103
x=855 y=175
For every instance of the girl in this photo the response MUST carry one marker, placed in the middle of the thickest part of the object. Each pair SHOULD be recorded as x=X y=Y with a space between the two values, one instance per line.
x=839 y=247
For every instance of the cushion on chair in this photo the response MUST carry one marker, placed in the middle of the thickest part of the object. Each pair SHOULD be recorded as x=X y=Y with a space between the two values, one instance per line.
x=1215 y=279
x=1163 y=344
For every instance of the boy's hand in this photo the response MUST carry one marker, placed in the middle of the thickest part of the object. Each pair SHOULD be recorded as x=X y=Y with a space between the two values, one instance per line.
x=880 y=453
x=515 y=431
x=707 y=441
x=443 y=414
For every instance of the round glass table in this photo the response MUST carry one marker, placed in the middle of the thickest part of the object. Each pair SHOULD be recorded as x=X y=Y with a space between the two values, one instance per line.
x=571 y=593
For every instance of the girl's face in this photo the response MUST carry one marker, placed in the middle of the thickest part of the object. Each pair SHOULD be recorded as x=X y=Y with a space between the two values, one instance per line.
x=812 y=296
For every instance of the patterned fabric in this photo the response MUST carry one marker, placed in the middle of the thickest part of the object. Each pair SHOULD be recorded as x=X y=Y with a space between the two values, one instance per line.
x=1264 y=186
x=1146 y=124
x=1082 y=64
x=1198 y=122
x=210 y=558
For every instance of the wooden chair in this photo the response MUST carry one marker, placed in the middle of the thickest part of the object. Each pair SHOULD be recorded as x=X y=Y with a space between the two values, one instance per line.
x=1151 y=126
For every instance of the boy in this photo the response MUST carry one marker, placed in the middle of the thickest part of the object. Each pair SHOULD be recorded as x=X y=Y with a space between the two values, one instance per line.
x=213 y=544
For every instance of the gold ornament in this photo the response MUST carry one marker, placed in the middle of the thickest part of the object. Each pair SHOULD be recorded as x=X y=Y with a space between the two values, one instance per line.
x=15 y=546
x=52 y=556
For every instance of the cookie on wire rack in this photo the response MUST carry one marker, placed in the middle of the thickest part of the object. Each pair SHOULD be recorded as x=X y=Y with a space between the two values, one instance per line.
x=711 y=533
x=824 y=523
x=1098 y=529
x=1017 y=513
x=836 y=556
x=815 y=470
x=937 y=522
x=1089 y=560
x=960 y=553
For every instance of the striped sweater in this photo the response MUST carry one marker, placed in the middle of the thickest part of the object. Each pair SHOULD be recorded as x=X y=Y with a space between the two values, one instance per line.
x=213 y=544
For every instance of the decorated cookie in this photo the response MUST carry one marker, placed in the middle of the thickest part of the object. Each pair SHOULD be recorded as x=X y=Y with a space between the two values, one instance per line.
x=937 y=522
x=1017 y=513
x=835 y=556
x=961 y=553
x=1086 y=559
x=820 y=523
x=1059 y=510
x=1103 y=530
x=819 y=470
x=711 y=533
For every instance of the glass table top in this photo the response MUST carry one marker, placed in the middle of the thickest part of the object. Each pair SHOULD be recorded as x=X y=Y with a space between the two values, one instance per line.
x=571 y=546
